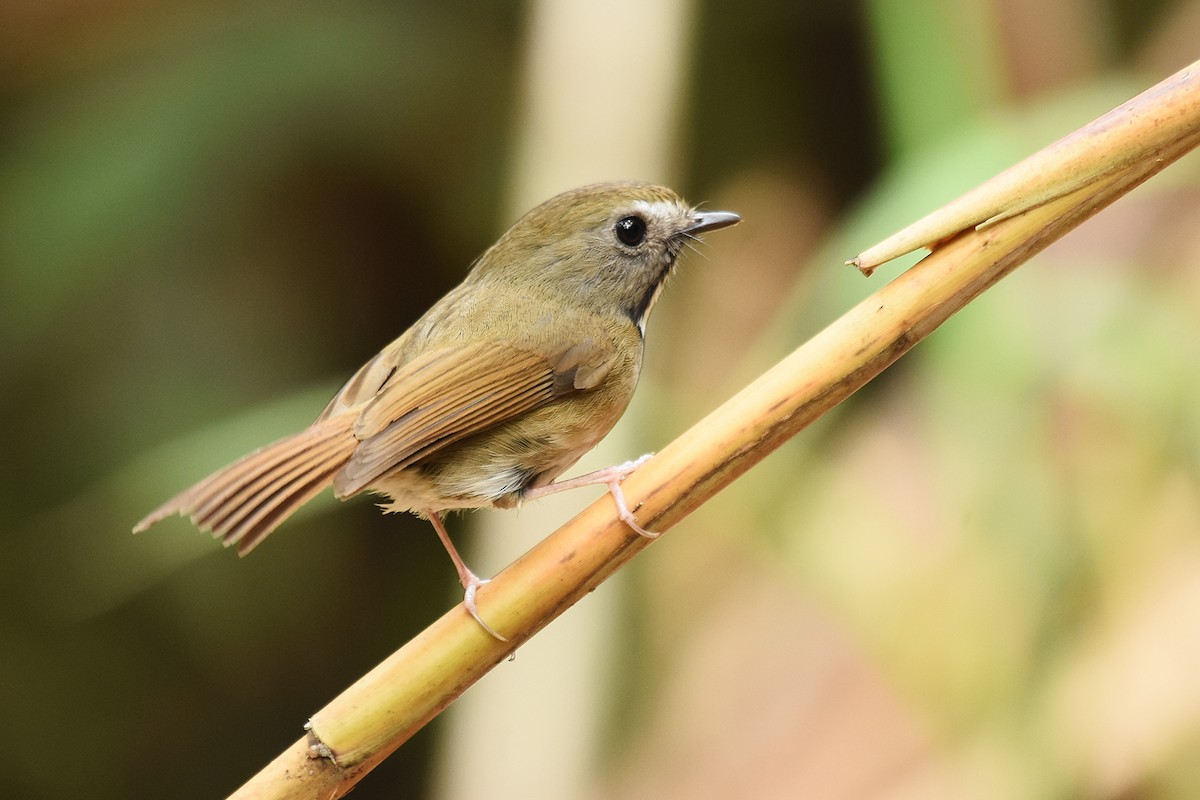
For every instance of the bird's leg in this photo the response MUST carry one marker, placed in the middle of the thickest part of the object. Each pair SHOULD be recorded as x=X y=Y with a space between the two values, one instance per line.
x=469 y=580
x=610 y=477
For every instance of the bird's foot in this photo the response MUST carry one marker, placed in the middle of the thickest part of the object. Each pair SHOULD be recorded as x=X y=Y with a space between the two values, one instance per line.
x=471 y=585
x=613 y=477
x=610 y=477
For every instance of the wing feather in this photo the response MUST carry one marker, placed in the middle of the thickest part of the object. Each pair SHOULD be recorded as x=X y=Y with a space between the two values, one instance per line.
x=449 y=394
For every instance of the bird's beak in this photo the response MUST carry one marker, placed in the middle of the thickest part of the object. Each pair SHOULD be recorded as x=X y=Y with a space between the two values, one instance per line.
x=712 y=220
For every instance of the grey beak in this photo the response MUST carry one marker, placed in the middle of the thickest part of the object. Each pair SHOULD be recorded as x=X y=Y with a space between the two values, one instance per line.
x=711 y=221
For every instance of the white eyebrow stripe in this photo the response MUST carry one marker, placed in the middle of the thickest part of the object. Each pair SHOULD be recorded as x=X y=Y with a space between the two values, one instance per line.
x=656 y=209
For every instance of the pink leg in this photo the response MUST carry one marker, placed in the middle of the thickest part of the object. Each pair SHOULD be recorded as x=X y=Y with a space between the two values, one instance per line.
x=610 y=477
x=469 y=580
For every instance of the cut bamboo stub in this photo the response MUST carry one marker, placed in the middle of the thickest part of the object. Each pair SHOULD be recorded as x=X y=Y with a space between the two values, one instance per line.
x=1138 y=130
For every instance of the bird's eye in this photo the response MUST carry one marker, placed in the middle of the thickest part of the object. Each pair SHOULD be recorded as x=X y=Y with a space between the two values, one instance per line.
x=631 y=231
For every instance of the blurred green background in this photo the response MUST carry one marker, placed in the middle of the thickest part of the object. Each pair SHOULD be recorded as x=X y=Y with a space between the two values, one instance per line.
x=978 y=578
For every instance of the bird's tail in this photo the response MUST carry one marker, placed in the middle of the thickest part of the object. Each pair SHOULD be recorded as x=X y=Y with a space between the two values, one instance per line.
x=248 y=499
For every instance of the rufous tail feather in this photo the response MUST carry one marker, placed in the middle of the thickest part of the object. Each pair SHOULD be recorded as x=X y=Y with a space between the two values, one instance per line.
x=248 y=499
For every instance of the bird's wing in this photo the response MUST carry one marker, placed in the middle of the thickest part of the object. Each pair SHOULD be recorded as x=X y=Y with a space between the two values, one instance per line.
x=453 y=392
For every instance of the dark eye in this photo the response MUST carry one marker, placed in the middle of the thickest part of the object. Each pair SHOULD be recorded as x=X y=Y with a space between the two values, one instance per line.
x=631 y=231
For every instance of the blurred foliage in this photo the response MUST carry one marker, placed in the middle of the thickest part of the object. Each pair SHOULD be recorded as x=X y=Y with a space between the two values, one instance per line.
x=978 y=578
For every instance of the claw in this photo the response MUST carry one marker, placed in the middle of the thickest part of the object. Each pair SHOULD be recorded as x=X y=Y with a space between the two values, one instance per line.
x=614 y=488
x=473 y=610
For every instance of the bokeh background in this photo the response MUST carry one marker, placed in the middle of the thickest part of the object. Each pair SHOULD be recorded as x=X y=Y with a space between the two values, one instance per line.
x=979 y=578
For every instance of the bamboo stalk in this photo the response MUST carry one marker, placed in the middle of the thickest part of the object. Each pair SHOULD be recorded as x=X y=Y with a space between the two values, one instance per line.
x=368 y=721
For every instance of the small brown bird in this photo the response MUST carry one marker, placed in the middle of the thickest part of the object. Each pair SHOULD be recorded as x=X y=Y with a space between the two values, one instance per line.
x=501 y=386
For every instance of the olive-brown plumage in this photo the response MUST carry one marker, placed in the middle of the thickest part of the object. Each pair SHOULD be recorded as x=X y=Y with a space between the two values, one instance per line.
x=500 y=387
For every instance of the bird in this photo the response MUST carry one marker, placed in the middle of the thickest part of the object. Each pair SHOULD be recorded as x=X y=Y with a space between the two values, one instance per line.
x=492 y=394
